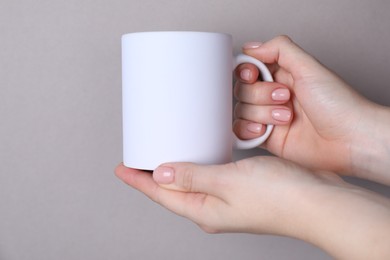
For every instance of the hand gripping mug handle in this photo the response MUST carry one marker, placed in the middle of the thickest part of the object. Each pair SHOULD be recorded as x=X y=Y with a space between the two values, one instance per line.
x=266 y=75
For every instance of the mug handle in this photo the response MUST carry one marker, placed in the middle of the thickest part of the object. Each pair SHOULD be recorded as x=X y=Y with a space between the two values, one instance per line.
x=266 y=75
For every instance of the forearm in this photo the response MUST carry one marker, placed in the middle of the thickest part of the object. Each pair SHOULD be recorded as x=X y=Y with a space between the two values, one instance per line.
x=347 y=222
x=370 y=147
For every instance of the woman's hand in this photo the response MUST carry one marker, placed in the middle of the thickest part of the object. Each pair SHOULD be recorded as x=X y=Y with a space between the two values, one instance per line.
x=325 y=125
x=256 y=195
x=270 y=195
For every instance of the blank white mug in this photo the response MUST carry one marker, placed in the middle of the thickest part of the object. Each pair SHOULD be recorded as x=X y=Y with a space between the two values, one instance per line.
x=177 y=98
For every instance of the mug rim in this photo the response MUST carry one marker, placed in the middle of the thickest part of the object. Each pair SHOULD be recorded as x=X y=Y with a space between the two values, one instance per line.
x=175 y=32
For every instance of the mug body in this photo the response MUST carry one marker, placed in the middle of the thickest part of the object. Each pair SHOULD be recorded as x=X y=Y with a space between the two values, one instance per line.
x=177 y=98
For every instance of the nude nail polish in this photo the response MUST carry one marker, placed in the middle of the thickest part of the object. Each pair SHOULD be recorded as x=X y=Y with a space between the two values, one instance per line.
x=282 y=115
x=163 y=175
x=252 y=45
x=245 y=74
x=254 y=128
x=281 y=94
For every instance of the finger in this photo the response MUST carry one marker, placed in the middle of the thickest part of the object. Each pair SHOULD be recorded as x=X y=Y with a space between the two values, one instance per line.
x=188 y=177
x=195 y=206
x=137 y=179
x=284 y=52
x=262 y=93
x=275 y=115
x=245 y=129
x=247 y=73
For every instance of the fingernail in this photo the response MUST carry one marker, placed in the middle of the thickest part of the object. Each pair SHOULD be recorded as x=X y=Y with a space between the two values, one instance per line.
x=282 y=115
x=281 y=94
x=252 y=45
x=254 y=127
x=245 y=74
x=163 y=175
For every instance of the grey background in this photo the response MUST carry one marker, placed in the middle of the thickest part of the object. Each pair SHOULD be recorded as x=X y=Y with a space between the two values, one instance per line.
x=60 y=112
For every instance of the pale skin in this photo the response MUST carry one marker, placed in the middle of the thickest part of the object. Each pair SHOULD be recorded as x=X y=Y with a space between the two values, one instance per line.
x=321 y=126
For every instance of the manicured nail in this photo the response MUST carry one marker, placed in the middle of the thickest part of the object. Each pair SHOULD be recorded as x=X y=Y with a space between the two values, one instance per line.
x=283 y=115
x=254 y=127
x=281 y=94
x=245 y=74
x=252 y=45
x=164 y=175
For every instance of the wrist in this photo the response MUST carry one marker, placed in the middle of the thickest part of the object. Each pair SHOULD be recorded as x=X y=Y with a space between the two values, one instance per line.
x=346 y=221
x=370 y=147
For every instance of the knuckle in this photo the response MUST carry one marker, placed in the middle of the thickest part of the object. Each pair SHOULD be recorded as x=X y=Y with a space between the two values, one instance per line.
x=209 y=230
x=251 y=113
x=257 y=94
x=236 y=90
x=284 y=38
x=245 y=167
x=237 y=110
x=237 y=127
x=187 y=178
x=252 y=93
x=156 y=195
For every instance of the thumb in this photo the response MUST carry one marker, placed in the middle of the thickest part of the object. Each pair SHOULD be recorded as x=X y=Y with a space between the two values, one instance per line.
x=284 y=52
x=189 y=177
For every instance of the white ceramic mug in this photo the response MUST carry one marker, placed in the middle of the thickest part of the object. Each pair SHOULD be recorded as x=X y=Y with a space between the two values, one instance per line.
x=177 y=98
